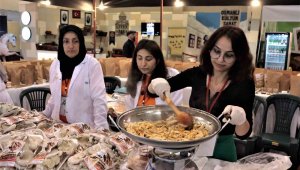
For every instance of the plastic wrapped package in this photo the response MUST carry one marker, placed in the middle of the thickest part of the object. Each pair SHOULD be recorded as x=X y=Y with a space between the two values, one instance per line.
x=138 y=158
x=258 y=161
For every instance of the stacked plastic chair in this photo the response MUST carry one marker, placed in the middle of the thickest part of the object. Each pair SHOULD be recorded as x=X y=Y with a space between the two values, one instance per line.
x=111 y=83
x=251 y=144
x=281 y=130
x=36 y=97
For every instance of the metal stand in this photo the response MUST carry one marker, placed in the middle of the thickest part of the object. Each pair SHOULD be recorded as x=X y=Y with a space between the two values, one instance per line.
x=165 y=159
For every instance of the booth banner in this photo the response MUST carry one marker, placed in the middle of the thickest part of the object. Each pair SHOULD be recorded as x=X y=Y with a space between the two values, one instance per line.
x=281 y=13
x=176 y=41
x=230 y=17
x=112 y=36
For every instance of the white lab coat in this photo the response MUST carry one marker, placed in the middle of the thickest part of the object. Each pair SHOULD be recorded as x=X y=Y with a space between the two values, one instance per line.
x=86 y=100
x=176 y=96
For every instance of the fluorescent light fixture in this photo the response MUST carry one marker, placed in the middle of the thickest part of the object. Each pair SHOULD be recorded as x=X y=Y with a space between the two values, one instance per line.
x=178 y=3
x=46 y=2
x=25 y=17
x=255 y=3
x=102 y=6
x=26 y=33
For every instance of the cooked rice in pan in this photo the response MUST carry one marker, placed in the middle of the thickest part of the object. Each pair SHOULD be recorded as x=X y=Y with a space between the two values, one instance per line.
x=167 y=130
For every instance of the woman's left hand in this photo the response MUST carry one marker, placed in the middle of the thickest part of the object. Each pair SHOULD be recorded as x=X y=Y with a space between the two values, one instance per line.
x=237 y=114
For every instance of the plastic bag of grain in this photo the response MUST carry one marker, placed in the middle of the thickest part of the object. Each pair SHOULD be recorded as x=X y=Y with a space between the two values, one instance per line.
x=112 y=67
x=125 y=65
x=272 y=80
x=295 y=84
x=285 y=80
x=14 y=71
x=259 y=74
x=39 y=75
x=28 y=75
x=45 y=68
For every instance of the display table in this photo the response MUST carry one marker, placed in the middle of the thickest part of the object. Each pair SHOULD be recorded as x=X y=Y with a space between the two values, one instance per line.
x=46 y=55
x=15 y=93
x=123 y=80
x=263 y=95
x=32 y=129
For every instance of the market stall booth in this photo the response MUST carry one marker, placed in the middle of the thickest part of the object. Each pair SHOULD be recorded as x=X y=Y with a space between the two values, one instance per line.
x=32 y=141
x=183 y=37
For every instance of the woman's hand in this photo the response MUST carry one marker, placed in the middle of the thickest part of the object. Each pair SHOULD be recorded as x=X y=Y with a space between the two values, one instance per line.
x=237 y=114
x=159 y=86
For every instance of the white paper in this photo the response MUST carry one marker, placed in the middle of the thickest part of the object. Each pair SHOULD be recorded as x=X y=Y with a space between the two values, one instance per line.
x=206 y=148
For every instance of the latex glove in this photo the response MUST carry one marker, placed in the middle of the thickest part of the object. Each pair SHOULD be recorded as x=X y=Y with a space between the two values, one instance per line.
x=159 y=86
x=237 y=114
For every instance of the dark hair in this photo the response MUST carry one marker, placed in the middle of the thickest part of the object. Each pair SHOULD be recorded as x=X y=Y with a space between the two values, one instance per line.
x=136 y=75
x=68 y=64
x=242 y=68
x=130 y=32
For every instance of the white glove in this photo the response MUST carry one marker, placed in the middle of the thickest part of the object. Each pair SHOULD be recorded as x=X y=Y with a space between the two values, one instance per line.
x=237 y=114
x=159 y=86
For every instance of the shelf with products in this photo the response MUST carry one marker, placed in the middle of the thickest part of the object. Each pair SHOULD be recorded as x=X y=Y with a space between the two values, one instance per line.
x=295 y=52
x=277 y=53
x=295 y=60
x=277 y=45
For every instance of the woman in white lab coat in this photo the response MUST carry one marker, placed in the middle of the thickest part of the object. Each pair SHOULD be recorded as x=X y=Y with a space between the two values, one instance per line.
x=76 y=83
x=147 y=64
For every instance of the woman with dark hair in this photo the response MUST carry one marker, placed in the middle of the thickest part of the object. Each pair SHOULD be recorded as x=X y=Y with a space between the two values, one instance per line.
x=147 y=64
x=76 y=83
x=223 y=84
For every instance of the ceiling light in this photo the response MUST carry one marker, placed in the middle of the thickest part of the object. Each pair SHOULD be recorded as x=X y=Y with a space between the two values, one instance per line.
x=25 y=17
x=26 y=33
x=102 y=6
x=255 y=3
x=46 y=2
x=178 y=3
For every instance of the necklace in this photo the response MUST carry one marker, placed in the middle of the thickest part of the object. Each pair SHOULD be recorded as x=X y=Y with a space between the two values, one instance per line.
x=208 y=109
x=215 y=85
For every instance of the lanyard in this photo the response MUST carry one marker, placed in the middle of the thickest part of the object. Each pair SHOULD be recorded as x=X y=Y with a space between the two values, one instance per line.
x=207 y=96
x=144 y=87
x=65 y=87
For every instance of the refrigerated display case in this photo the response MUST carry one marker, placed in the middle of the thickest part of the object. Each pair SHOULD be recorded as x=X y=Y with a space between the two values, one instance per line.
x=277 y=52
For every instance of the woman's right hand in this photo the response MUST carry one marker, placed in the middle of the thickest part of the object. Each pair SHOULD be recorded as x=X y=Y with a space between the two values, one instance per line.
x=160 y=87
x=237 y=114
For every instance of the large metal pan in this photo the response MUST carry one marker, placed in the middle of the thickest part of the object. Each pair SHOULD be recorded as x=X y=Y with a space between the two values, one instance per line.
x=155 y=113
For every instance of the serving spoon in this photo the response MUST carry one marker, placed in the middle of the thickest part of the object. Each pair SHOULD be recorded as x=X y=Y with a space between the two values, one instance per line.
x=182 y=117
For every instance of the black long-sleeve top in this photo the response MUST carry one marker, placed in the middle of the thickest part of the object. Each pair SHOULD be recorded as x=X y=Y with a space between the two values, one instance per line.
x=236 y=93
x=128 y=48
